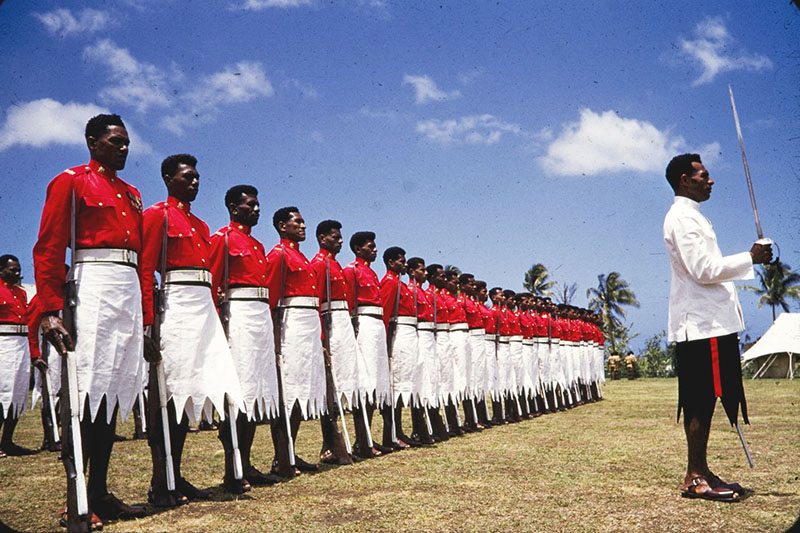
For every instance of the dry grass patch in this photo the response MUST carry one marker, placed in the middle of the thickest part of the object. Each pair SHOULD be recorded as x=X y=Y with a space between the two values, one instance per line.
x=611 y=466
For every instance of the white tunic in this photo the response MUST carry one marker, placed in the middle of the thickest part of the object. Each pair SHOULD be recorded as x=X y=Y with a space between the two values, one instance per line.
x=109 y=347
x=702 y=297
x=198 y=364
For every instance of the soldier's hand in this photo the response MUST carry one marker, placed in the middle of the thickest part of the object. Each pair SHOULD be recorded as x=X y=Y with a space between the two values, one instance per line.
x=56 y=334
x=40 y=363
x=152 y=353
x=761 y=253
x=327 y=357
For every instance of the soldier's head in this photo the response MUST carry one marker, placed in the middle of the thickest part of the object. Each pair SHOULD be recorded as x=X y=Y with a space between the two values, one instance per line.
x=451 y=280
x=508 y=297
x=466 y=283
x=395 y=259
x=242 y=204
x=329 y=236
x=496 y=295
x=688 y=177
x=436 y=275
x=10 y=271
x=181 y=177
x=290 y=224
x=416 y=269
x=107 y=140
x=481 y=293
x=362 y=243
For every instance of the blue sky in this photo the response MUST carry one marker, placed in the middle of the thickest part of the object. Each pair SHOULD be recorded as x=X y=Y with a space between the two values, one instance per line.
x=490 y=135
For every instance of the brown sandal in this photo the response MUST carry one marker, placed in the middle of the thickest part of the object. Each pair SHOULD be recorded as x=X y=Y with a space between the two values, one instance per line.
x=699 y=487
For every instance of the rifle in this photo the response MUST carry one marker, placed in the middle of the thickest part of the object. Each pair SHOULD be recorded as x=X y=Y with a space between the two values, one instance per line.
x=284 y=454
x=225 y=317
x=163 y=471
x=72 y=448
x=341 y=443
x=391 y=333
x=435 y=336
x=50 y=420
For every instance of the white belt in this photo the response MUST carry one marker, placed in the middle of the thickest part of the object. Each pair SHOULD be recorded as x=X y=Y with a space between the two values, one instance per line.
x=504 y=339
x=516 y=338
x=301 y=301
x=370 y=310
x=184 y=276
x=426 y=325
x=249 y=293
x=527 y=342
x=13 y=329
x=335 y=305
x=407 y=320
x=442 y=326
x=490 y=336
x=106 y=255
x=477 y=332
x=461 y=326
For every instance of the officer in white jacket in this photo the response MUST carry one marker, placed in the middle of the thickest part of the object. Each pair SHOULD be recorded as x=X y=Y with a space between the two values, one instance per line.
x=704 y=320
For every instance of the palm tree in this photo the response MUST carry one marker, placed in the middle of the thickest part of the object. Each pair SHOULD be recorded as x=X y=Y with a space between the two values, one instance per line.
x=536 y=281
x=778 y=283
x=611 y=294
x=566 y=292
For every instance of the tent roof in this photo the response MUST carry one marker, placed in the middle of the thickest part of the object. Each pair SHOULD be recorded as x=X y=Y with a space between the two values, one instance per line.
x=782 y=336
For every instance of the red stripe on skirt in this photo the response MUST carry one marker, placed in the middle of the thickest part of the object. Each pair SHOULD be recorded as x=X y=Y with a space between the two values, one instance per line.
x=715 y=368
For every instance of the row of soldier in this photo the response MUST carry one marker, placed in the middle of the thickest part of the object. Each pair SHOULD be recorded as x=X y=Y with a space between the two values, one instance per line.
x=257 y=335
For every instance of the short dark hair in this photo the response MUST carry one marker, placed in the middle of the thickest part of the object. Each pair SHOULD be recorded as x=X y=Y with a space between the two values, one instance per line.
x=480 y=284
x=679 y=165
x=451 y=273
x=359 y=238
x=508 y=293
x=325 y=227
x=495 y=290
x=169 y=166
x=99 y=124
x=465 y=277
x=4 y=259
x=392 y=253
x=431 y=269
x=235 y=193
x=284 y=214
x=414 y=262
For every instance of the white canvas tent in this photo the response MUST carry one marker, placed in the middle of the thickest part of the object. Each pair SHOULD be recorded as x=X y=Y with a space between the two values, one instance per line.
x=776 y=352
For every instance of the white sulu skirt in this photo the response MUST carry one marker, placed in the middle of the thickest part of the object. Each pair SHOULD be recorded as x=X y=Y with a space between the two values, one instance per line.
x=302 y=362
x=544 y=363
x=109 y=347
x=198 y=364
x=514 y=376
x=505 y=373
x=426 y=376
x=344 y=357
x=446 y=354
x=476 y=385
x=461 y=362
x=252 y=344
x=525 y=384
x=374 y=366
x=405 y=353
x=15 y=364
x=491 y=367
x=534 y=368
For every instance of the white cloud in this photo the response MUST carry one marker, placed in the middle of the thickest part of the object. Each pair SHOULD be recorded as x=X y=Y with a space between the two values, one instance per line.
x=240 y=83
x=137 y=84
x=713 y=50
x=605 y=142
x=307 y=91
x=425 y=89
x=258 y=5
x=473 y=129
x=43 y=122
x=62 y=22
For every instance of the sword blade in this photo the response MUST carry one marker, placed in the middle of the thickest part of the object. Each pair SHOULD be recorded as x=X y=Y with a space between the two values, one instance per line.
x=746 y=166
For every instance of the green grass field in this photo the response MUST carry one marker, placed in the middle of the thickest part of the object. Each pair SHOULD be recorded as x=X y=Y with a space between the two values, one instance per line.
x=615 y=465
